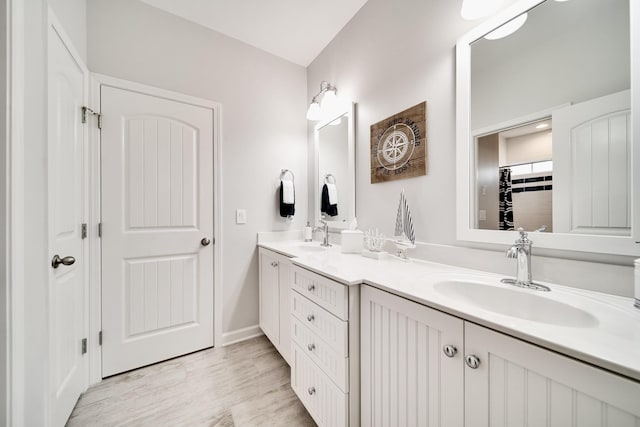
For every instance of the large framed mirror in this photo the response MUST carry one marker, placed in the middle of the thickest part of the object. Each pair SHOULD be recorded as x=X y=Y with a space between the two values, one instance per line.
x=334 y=170
x=548 y=124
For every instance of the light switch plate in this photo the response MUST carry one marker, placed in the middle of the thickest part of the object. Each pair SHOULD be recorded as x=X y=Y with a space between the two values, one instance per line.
x=482 y=215
x=241 y=216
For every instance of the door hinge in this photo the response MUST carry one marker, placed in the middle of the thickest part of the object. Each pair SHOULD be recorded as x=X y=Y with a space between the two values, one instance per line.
x=100 y=338
x=86 y=110
x=84 y=231
x=84 y=345
x=99 y=229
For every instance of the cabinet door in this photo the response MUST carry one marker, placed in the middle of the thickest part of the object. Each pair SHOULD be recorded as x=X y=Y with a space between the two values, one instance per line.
x=520 y=384
x=406 y=378
x=284 y=270
x=269 y=296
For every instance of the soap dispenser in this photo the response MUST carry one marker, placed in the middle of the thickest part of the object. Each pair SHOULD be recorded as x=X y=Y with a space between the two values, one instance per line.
x=308 y=233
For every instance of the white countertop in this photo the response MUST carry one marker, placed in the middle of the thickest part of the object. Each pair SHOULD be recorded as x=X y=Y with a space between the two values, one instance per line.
x=613 y=344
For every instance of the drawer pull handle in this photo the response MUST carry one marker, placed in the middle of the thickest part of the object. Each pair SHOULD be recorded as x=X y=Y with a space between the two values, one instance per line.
x=311 y=347
x=449 y=350
x=311 y=318
x=311 y=288
x=311 y=391
x=274 y=264
x=472 y=361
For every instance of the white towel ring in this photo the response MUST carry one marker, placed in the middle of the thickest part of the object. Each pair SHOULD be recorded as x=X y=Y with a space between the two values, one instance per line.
x=326 y=179
x=284 y=172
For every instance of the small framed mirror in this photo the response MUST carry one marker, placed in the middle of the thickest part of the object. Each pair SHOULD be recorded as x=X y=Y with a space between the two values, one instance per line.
x=547 y=123
x=334 y=177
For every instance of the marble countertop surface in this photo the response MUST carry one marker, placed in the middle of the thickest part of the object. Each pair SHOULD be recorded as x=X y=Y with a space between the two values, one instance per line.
x=610 y=338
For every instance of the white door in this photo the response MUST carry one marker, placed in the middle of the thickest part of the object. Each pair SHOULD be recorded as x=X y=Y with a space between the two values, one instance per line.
x=157 y=228
x=520 y=384
x=67 y=283
x=592 y=167
x=411 y=363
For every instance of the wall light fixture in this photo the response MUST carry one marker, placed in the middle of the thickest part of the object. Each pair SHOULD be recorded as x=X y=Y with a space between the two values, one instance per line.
x=323 y=103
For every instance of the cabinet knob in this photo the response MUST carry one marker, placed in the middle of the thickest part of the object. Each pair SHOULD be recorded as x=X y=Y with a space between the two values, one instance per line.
x=311 y=287
x=274 y=264
x=311 y=317
x=311 y=391
x=311 y=347
x=449 y=350
x=472 y=361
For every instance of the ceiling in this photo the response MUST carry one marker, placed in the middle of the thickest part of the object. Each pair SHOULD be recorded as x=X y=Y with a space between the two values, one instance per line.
x=296 y=30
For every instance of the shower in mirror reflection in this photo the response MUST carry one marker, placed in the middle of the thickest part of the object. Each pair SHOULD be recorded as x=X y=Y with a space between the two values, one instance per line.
x=514 y=178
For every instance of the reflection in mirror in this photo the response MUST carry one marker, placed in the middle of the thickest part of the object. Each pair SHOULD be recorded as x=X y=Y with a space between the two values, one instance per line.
x=514 y=178
x=335 y=170
x=570 y=60
x=568 y=64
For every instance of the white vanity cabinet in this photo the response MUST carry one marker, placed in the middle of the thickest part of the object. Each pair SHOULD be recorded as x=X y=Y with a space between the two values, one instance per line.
x=491 y=379
x=407 y=379
x=325 y=370
x=275 y=291
x=521 y=384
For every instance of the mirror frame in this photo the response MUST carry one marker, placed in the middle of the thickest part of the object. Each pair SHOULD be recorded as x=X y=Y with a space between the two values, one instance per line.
x=465 y=150
x=347 y=112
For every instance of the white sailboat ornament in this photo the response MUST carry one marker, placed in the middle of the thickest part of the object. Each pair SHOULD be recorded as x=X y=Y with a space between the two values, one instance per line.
x=404 y=237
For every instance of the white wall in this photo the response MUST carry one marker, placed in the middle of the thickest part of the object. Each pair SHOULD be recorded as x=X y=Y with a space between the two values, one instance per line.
x=533 y=147
x=395 y=54
x=263 y=122
x=3 y=216
x=392 y=55
x=36 y=274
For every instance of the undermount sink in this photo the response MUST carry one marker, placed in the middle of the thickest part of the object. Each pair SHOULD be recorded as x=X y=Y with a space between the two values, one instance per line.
x=516 y=303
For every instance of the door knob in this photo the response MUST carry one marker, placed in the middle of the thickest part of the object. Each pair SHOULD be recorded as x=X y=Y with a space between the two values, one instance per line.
x=205 y=241
x=56 y=261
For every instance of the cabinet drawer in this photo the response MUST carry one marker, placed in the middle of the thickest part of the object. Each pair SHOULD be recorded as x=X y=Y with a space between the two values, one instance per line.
x=326 y=403
x=331 y=295
x=322 y=323
x=333 y=364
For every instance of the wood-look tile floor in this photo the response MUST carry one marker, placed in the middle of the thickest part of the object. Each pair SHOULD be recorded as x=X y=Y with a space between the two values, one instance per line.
x=245 y=384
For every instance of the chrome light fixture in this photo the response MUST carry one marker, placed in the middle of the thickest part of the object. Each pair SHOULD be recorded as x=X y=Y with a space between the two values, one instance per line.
x=323 y=102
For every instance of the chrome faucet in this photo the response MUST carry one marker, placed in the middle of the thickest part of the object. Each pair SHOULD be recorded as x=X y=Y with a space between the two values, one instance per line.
x=325 y=233
x=521 y=252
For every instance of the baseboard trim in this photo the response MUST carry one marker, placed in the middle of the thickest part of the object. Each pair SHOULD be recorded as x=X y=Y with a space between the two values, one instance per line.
x=239 y=335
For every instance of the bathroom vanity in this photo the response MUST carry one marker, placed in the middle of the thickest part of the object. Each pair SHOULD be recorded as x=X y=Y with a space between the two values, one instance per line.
x=385 y=342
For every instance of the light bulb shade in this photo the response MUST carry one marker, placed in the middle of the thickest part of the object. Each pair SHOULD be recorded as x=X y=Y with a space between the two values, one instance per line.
x=313 y=113
x=476 y=9
x=508 y=28
x=329 y=103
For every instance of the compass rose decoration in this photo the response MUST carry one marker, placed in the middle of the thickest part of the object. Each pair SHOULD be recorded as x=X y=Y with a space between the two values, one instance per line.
x=398 y=145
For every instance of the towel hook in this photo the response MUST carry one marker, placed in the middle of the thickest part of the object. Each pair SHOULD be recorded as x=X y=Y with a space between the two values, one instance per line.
x=283 y=172
x=326 y=179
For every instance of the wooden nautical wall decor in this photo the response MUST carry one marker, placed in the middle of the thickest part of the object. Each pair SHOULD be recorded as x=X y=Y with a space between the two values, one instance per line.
x=399 y=145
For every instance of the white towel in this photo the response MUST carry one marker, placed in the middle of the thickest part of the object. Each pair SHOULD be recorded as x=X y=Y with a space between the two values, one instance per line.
x=333 y=194
x=288 y=193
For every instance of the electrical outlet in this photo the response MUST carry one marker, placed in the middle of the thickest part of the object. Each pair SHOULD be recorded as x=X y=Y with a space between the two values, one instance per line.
x=482 y=215
x=241 y=216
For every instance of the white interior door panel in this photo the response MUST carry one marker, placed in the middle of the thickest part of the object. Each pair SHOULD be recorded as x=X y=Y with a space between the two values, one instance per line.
x=157 y=216
x=67 y=281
